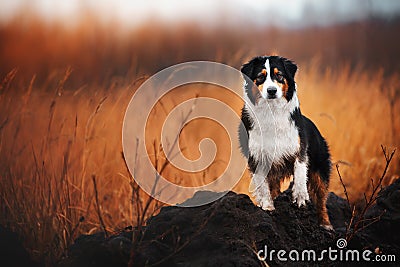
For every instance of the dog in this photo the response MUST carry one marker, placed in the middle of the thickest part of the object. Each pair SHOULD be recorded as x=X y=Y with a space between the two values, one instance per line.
x=280 y=142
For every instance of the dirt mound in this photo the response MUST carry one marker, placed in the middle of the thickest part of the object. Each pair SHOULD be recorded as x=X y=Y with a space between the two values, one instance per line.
x=12 y=252
x=232 y=230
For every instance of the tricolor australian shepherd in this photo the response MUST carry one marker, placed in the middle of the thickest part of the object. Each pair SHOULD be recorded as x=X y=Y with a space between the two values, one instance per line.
x=278 y=140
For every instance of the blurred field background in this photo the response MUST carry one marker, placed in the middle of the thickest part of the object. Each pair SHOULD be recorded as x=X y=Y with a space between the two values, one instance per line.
x=64 y=91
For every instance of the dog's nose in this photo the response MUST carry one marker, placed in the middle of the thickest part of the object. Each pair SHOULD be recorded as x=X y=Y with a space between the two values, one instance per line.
x=271 y=91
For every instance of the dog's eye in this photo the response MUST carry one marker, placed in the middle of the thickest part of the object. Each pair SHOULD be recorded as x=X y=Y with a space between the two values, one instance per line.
x=279 y=76
x=260 y=78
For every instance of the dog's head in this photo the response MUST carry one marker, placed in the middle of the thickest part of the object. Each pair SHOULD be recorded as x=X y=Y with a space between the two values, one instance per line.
x=273 y=77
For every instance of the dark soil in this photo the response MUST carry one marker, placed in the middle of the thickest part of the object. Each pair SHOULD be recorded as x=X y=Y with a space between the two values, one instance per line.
x=12 y=252
x=230 y=232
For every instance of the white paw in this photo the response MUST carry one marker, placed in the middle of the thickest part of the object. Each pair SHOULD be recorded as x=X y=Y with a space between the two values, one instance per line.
x=263 y=198
x=267 y=205
x=300 y=196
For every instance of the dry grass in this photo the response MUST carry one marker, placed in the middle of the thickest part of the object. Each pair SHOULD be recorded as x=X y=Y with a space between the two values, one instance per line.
x=51 y=146
x=60 y=126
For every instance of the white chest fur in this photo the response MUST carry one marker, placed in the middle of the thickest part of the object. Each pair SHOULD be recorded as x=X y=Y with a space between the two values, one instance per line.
x=274 y=135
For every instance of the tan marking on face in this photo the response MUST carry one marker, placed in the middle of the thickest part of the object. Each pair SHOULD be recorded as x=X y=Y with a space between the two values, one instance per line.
x=256 y=93
x=284 y=87
x=260 y=87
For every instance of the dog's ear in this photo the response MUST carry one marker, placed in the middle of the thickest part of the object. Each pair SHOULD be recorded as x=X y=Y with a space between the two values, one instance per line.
x=290 y=66
x=248 y=68
x=248 y=74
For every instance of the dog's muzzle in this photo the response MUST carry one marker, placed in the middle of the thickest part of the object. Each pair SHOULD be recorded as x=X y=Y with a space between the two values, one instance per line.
x=271 y=92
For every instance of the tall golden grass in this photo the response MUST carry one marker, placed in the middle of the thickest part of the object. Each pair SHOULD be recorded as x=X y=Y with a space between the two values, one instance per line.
x=63 y=95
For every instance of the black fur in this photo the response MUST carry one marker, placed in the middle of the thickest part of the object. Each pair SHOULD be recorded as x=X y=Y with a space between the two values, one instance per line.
x=313 y=145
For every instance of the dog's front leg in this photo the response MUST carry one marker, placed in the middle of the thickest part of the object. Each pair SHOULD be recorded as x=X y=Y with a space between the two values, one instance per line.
x=261 y=191
x=300 y=192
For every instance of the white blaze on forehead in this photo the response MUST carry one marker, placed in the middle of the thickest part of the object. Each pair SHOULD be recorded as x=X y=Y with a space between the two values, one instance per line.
x=269 y=83
x=267 y=67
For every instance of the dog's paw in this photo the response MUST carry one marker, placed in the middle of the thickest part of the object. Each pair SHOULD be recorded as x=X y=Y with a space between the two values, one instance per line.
x=263 y=197
x=265 y=202
x=300 y=197
x=266 y=205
